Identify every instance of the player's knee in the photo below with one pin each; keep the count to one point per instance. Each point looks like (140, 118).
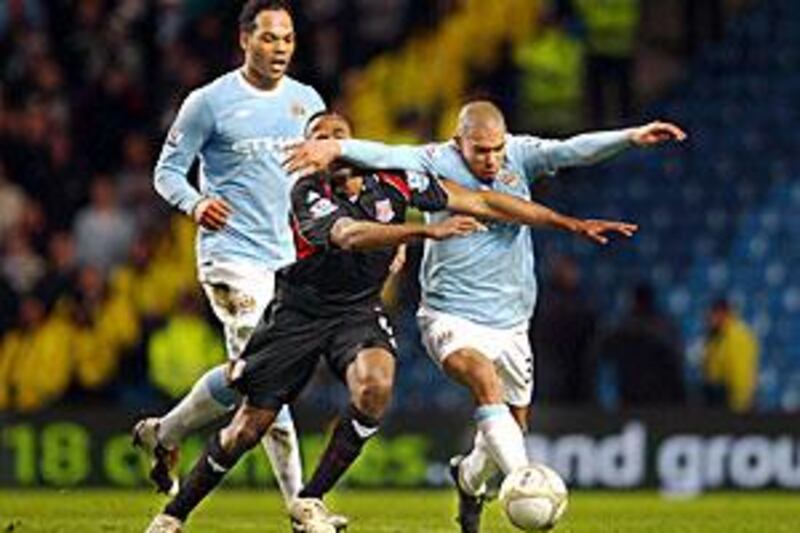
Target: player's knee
(245, 430)
(239, 437)
(374, 393)
(488, 389)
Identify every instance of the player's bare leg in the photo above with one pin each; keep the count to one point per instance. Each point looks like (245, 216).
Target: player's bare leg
(370, 378)
(209, 400)
(500, 429)
(220, 455)
(498, 441)
(521, 414)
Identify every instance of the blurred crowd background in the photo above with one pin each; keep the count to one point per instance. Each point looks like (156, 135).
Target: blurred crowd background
(98, 298)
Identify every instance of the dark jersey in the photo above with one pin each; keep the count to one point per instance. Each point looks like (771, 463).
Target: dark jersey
(326, 279)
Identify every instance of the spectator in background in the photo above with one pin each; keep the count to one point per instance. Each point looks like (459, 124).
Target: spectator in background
(135, 182)
(646, 354)
(35, 362)
(60, 276)
(67, 188)
(730, 360)
(8, 306)
(12, 203)
(21, 266)
(611, 27)
(20, 13)
(562, 334)
(185, 348)
(378, 25)
(551, 71)
(103, 231)
(27, 154)
(91, 291)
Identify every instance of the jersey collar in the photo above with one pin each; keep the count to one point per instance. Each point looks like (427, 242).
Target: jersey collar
(255, 91)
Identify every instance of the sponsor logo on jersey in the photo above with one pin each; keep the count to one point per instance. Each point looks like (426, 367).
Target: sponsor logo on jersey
(260, 145)
(383, 211)
(321, 208)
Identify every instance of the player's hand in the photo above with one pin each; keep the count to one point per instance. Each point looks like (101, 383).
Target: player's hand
(399, 260)
(308, 157)
(454, 226)
(212, 213)
(656, 133)
(597, 230)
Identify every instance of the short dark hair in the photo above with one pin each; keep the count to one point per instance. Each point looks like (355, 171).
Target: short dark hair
(325, 113)
(251, 9)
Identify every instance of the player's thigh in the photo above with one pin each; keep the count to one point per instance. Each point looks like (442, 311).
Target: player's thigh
(473, 369)
(364, 341)
(281, 357)
(464, 350)
(238, 295)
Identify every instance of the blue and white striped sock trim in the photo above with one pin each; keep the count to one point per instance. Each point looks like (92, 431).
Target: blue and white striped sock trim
(218, 387)
(485, 412)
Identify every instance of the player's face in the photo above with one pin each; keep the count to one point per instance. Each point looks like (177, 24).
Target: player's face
(329, 127)
(484, 150)
(269, 47)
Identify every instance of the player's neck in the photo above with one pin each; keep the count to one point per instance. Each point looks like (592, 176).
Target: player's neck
(259, 82)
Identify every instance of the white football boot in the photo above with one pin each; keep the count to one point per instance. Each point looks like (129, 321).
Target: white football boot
(165, 523)
(163, 460)
(309, 515)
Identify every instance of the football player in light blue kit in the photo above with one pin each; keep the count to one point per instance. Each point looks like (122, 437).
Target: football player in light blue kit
(236, 125)
(478, 292)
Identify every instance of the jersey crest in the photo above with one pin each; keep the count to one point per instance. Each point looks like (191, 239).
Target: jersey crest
(508, 178)
(298, 109)
(383, 211)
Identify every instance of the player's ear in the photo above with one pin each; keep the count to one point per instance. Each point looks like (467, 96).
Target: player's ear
(244, 39)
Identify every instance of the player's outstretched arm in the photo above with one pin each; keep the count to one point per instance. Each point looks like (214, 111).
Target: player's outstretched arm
(350, 234)
(591, 148)
(308, 157)
(499, 206)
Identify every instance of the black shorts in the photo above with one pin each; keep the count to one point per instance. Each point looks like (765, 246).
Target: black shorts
(287, 344)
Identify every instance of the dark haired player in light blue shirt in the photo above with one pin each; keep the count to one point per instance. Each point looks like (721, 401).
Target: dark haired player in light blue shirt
(236, 126)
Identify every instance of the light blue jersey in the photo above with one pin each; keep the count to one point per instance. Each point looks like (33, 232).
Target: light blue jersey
(486, 277)
(238, 132)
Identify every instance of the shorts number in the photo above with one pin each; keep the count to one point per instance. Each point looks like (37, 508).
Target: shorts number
(383, 322)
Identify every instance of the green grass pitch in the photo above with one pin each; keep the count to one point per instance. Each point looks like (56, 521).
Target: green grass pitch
(405, 511)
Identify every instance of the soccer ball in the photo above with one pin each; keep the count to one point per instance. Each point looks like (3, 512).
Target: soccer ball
(534, 497)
